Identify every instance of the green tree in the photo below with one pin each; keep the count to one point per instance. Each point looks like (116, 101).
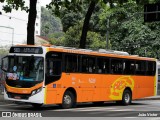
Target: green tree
(57, 38)
(16, 4)
(49, 23)
(128, 32)
(76, 5)
(71, 38)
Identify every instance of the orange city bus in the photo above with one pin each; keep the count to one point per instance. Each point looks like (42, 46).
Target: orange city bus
(44, 75)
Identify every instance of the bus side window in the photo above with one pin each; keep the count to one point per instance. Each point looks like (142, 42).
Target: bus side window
(140, 67)
(151, 67)
(88, 64)
(100, 65)
(129, 67)
(71, 63)
(117, 66)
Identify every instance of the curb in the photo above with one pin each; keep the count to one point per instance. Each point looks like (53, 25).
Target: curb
(150, 98)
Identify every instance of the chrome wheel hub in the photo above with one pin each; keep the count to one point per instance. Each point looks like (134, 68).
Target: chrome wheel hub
(67, 99)
(127, 97)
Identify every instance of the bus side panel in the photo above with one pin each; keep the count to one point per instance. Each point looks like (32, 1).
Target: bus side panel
(144, 86)
(114, 86)
(50, 95)
(95, 87)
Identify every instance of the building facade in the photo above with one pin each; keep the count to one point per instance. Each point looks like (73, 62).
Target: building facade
(13, 26)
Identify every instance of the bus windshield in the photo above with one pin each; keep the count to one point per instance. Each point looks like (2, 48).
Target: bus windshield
(25, 68)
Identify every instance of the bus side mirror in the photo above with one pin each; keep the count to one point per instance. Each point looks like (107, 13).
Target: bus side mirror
(4, 65)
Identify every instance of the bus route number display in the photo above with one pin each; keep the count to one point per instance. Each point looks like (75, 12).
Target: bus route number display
(27, 50)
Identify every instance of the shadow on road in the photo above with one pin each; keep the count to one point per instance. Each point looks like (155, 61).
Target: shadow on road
(28, 107)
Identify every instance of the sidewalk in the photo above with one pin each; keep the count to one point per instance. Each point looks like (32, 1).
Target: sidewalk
(151, 98)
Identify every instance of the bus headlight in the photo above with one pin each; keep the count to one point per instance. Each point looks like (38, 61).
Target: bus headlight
(36, 91)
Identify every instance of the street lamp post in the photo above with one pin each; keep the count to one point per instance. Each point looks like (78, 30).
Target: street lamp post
(12, 32)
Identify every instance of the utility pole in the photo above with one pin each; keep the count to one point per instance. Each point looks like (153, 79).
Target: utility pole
(107, 35)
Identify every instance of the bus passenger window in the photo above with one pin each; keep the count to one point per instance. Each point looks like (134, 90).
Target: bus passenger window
(140, 67)
(129, 67)
(71, 63)
(151, 66)
(117, 66)
(88, 64)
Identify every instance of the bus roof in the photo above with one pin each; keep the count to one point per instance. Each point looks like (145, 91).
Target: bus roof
(100, 52)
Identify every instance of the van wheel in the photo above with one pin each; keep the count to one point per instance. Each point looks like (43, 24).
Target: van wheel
(68, 100)
(127, 97)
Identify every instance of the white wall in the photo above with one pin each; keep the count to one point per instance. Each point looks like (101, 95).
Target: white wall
(16, 21)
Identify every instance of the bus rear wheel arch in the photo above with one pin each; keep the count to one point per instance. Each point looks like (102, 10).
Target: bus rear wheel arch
(69, 99)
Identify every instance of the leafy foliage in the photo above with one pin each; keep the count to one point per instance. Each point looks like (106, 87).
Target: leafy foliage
(128, 32)
(72, 36)
(14, 4)
(49, 23)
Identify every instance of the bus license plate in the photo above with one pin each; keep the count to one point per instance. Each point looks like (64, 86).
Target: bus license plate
(17, 97)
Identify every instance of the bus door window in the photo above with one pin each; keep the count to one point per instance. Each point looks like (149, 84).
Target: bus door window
(54, 67)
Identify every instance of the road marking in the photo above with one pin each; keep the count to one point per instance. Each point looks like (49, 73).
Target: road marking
(123, 110)
(131, 117)
(97, 109)
(86, 109)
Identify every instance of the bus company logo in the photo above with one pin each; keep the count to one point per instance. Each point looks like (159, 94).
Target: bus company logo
(119, 85)
(6, 114)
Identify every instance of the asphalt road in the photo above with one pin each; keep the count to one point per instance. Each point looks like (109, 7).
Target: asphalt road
(138, 109)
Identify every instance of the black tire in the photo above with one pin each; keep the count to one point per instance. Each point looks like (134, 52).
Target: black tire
(69, 100)
(36, 105)
(127, 97)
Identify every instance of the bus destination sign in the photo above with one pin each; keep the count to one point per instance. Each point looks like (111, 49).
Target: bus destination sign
(26, 50)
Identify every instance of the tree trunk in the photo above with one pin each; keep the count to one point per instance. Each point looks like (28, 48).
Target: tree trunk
(86, 24)
(31, 22)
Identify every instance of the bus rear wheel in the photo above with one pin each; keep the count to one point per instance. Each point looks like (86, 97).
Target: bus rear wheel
(127, 97)
(68, 100)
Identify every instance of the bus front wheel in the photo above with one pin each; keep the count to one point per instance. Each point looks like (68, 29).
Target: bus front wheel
(68, 100)
(127, 97)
